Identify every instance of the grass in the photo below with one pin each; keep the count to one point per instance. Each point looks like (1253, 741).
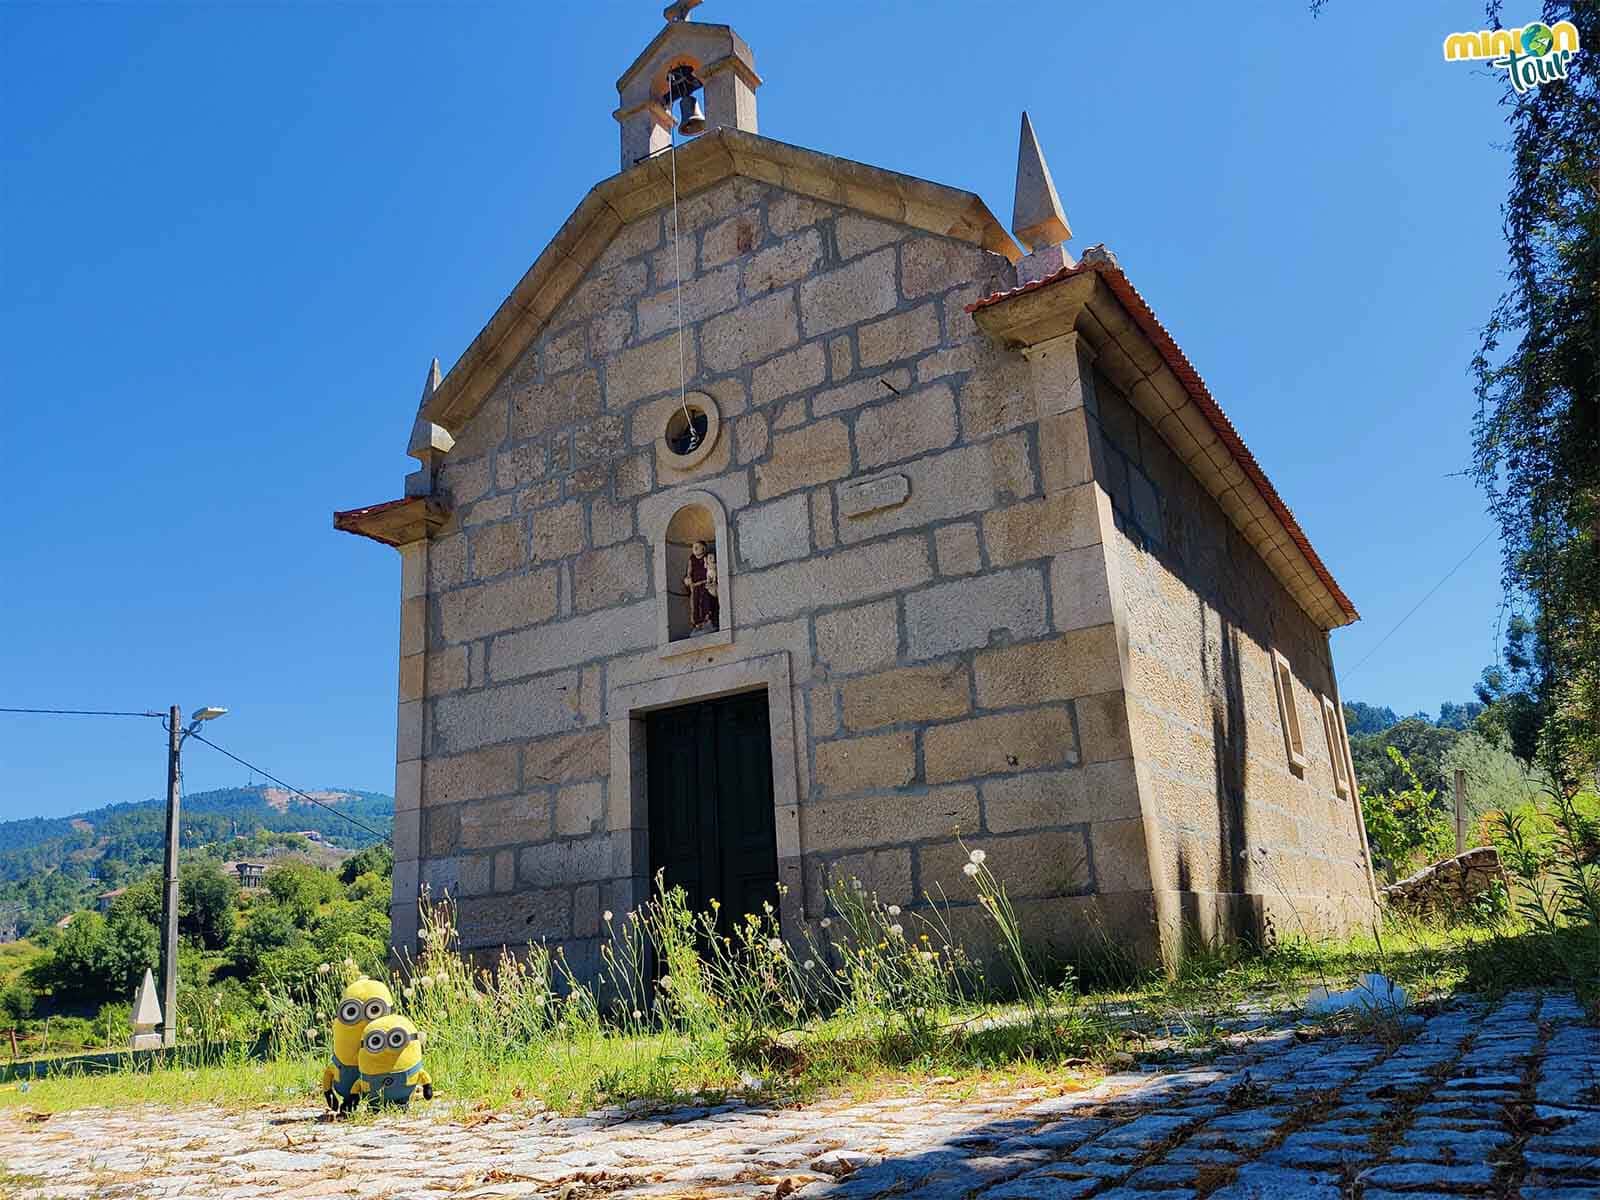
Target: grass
(15, 956)
(687, 1011)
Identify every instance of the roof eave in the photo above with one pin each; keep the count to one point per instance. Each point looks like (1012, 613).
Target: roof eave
(1096, 298)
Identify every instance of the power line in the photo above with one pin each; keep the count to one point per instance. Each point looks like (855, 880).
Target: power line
(80, 712)
(1418, 605)
(383, 837)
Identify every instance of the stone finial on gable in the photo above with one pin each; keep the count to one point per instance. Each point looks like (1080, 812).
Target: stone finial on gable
(1037, 218)
(430, 384)
(429, 442)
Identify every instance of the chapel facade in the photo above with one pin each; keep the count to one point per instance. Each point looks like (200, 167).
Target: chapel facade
(789, 523)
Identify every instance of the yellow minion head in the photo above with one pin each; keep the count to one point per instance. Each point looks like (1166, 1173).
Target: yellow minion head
(390, 1046)
(364, 1001)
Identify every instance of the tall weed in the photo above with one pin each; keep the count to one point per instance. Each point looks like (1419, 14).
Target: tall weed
(1551, 854)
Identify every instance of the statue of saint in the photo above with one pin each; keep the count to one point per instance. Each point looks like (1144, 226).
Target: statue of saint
(701, 581)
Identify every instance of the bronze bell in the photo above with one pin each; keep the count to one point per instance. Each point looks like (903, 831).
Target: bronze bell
(683, 87)
(691, 118)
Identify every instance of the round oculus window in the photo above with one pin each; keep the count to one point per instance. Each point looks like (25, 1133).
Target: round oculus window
(690, 431)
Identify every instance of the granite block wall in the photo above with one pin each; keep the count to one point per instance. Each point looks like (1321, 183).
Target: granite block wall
(925, 556)
(1242, 835)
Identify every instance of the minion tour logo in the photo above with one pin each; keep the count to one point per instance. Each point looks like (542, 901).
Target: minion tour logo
(1532, 55)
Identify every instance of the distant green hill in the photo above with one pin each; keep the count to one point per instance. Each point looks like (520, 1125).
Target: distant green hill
(50, 866)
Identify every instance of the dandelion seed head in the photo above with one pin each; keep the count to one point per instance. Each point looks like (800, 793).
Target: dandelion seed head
(324, 968)
(775, 945)
(969, 869)
(827, 921)
(977, 856)
(607, 916)
(810, 964)
(894, 910)
(896, 930)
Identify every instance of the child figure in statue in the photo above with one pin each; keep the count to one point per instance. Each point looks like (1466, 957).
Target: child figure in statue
(702, 584)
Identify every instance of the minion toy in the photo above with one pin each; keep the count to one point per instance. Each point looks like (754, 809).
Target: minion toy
(364, 1000)
(391, 1063)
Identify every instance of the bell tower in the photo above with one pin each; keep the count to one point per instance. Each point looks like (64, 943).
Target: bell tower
(686, 60)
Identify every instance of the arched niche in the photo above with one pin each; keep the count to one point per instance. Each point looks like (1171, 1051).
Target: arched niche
(679, 523)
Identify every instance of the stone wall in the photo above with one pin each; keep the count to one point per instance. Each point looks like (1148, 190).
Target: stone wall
(925, 555)
(891, 535)
(1239, 834)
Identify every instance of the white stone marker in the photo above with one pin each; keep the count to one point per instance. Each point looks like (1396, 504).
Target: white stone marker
(146, 1015)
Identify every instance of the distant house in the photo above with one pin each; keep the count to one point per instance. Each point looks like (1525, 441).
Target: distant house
(65, 921)
(105, 900)
(250, 873)
(310, 835)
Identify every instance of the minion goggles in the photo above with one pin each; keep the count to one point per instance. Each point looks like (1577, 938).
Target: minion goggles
(352, 1011)
(395, 1039)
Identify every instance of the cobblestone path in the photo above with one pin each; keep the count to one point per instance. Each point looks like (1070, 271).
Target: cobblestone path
(1478, 1100)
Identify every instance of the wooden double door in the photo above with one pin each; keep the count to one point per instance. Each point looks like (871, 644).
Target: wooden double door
(712, 828)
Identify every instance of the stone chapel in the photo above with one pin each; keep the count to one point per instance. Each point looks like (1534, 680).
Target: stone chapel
(789, 520)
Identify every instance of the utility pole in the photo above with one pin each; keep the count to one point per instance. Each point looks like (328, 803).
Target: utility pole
(1461, 812)
(169, 901)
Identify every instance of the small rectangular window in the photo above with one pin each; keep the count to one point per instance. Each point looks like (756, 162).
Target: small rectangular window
(1333, 728)
(1293, 741)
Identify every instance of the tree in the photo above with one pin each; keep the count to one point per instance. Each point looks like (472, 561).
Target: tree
(75, 967)
(1459, 716)
(354, 930)
(133, 946)
(16, 1002)
(301, 889)
(1497, 781)
(97, 956)
(1536, 436)
(1362, 718)
(1423, 745)
(142, 899)
(207, 900)
(376, 860)
(267, 928)
(1515, 695)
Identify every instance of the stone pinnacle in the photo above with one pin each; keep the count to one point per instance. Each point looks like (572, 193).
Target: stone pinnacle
(431, 384)
(1036, 218)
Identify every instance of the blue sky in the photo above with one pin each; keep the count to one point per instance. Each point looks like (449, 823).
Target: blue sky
(232, 236)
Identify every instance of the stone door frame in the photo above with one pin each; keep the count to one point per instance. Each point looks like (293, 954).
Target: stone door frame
(629, 796)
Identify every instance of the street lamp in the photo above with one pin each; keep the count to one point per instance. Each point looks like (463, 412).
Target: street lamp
(176, 735)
